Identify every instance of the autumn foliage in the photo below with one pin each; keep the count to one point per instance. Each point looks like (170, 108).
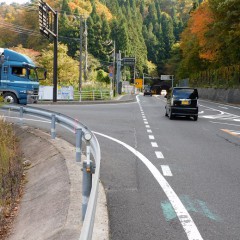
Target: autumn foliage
(200, 25)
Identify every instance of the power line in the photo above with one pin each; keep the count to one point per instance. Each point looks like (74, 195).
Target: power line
(21, 30)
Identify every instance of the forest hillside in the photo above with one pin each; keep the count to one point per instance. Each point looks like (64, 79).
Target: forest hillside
(187, 38)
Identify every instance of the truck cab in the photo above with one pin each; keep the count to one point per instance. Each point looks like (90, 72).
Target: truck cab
(19, 81)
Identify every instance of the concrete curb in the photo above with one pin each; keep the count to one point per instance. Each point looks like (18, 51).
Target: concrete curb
(51, 204)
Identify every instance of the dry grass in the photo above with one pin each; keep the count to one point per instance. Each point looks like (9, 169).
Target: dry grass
(11, 172)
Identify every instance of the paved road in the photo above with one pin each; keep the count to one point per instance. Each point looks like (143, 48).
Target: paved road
(167, 179)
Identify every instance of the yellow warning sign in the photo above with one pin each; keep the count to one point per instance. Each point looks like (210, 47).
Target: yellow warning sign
(138, 82)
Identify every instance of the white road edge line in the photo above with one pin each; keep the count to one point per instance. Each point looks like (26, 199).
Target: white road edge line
(225, 123)
(184, 217)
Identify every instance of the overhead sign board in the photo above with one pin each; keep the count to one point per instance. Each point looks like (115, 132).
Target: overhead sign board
(129, 61)
(167, 77)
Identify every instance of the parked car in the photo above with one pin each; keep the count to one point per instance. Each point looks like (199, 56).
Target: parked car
(147, 91)
(182, 101)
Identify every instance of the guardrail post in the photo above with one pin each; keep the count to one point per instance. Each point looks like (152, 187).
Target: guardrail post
(78, 144)
(93, 96)
(53, 126)
(88, 170)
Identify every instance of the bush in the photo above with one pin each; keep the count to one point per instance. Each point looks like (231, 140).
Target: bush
(11, 171)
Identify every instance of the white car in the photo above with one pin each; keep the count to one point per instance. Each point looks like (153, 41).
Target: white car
(163, 92)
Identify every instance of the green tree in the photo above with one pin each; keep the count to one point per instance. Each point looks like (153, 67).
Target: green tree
(67, 67)
(168, 35)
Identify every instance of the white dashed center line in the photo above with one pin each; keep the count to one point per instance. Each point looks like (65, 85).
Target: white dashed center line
(159, 154)
(166, 171)
(154, 144)
(151, 137)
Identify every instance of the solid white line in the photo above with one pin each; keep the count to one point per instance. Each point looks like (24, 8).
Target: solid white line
(149, 130)
(220, 104)
(154, 144)
(184, 217)
(27, 119)
(225, 123)
(166, 171)
(223, 107)
(159, 154)
(151, 137)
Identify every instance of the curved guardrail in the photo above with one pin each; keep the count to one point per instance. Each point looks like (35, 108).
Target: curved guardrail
(91, 200)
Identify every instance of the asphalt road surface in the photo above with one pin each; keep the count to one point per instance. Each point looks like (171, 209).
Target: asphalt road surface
(166, 179)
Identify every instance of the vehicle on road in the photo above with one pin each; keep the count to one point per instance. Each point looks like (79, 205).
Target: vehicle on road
(182, 101)
(164, 92)
(19, 82)
(147, 91)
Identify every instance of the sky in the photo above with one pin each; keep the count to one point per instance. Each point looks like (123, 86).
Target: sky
(11, 1)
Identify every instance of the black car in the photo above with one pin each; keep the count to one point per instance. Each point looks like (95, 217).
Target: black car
(147, 91)
(182, 101)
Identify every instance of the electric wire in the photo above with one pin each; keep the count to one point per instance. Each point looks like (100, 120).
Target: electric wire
(21, 30)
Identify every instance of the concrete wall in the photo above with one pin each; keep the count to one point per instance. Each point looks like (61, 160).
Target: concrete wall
(220, 95)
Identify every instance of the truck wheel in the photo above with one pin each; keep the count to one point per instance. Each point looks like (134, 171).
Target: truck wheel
(10, 98)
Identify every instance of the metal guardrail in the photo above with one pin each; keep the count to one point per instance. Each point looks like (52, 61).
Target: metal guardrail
(90, 185)
(93, 95)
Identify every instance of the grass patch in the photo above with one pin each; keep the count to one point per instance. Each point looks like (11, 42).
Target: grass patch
(11, 172)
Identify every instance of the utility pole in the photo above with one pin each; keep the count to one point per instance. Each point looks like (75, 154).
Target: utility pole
(80, 57)
(55, 62)
(114, 60)
(118, 71)
(134, 74)
(143, 82)
(86, 51)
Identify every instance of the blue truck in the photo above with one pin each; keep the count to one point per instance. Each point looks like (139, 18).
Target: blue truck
(19, 82)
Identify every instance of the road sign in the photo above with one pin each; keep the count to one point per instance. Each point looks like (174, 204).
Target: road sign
(129, 61)
(47, 20)
(138, 83)
(110, 69)
(166, 77)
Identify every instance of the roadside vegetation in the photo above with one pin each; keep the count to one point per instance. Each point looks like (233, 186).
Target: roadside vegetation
(11, 172)
(190, 39)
